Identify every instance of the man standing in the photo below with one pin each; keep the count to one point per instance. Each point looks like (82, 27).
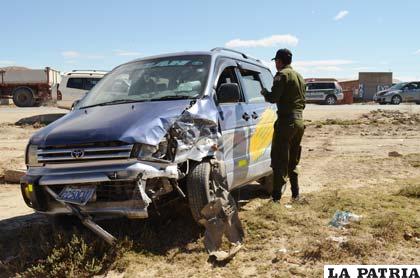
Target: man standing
(288, 92)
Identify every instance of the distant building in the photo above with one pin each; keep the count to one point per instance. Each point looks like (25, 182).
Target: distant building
(372, 82)
(350, 87)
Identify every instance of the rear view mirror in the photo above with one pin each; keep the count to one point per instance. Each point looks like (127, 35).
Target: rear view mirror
(228, 93)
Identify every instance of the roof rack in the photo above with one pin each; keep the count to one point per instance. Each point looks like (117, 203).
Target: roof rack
(234, 51)
(89, 70)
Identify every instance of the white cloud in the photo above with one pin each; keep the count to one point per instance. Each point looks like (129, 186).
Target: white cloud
(94, 57)
(406, 78)
(341, 15)
(273, 40)
(417, 52)
(323, 63)
(314, 66)
(6, 62)
(120, 52)
(70, 54)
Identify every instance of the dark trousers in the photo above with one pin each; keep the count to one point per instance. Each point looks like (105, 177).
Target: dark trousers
(285, 154)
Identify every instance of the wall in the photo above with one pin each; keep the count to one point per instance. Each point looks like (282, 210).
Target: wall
(370, 81)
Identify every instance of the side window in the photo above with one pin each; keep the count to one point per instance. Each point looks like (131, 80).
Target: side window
(227, 76)
(267, 79)
(252, 85)
(90, 82)
(75, 83)
(412, 86)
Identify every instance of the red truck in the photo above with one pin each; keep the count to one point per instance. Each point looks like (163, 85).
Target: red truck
(28, 87)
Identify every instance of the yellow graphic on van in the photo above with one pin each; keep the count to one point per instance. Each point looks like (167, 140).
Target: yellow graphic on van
(242, 163)
(263, 134)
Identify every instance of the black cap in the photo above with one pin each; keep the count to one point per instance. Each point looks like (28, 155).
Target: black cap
(283, 54)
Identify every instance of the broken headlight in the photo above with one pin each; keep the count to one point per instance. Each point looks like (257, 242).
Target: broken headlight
(31, 157)
(146, 152)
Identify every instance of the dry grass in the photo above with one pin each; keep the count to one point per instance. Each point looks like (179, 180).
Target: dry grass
(280, 242)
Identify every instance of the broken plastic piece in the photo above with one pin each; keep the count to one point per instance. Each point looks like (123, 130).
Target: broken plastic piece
(220, 217)
(343, 218)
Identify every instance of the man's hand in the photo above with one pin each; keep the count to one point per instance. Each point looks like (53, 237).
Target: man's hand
(264, 92)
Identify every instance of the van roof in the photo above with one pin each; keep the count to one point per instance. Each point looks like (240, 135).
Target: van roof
(215, 52)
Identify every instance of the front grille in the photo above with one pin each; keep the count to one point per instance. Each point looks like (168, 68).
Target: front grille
(84, 153)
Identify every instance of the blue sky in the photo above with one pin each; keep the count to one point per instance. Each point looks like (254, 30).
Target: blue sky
(328, 38)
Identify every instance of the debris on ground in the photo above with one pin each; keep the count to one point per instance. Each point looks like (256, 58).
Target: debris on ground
(13, 176)
(338, 239)
(220, 217)
(394, 154)
(343, 218)
(39, 120)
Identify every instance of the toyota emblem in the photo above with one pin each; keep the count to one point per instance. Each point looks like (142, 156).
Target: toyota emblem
(76, 154)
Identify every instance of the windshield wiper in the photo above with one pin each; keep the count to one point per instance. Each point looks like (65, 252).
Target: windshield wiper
(176, 96)
(117, 101)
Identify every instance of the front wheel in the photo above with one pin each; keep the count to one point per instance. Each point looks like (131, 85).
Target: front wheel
(396, 100)
(200, 192)
(330, 100)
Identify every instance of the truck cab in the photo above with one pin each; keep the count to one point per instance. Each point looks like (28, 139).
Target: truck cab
(152, 130)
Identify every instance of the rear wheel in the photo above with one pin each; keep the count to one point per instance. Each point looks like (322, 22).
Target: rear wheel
(396, 100)
(331, 100)
(199, 189)
(23, 97)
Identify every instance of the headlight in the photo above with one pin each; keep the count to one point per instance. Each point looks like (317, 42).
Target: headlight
(149, 152)
(31, 158)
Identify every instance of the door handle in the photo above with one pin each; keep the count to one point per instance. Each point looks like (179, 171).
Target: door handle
(254, 115)
(246, 116)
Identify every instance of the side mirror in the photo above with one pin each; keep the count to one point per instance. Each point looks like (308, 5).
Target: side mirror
(228, 93)
(75, 104)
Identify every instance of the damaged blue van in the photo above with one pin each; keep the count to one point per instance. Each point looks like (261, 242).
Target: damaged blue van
(153, 130)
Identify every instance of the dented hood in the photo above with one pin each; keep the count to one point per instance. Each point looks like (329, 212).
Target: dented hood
(144, 122)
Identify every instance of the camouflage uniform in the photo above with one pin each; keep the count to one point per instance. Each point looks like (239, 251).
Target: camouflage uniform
(288, 92)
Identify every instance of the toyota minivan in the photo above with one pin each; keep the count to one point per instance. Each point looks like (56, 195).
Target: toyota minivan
(153, 130)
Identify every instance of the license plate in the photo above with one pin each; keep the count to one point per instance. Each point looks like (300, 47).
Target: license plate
(76, 195)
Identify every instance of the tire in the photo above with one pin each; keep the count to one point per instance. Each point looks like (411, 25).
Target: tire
(23, 97)
(198, 187)
(396, 100)
(330, 100)
(267, 184)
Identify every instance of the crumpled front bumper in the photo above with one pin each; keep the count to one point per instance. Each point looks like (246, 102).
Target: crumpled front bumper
(383, 98)
(129, 176)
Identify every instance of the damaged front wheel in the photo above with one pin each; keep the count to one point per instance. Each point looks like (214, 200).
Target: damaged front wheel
(198, 186)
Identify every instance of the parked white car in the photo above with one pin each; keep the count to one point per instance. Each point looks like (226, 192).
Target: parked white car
(74, 85)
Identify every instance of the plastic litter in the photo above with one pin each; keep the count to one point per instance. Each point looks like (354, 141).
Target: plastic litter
(343, 218)
(339, 239)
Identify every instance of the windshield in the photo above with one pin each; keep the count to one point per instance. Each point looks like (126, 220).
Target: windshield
(155, 79)
(398, 86)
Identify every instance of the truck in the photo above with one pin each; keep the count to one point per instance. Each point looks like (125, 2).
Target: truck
(28, 87)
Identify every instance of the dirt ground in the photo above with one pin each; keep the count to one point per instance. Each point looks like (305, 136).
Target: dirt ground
(355, 157)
